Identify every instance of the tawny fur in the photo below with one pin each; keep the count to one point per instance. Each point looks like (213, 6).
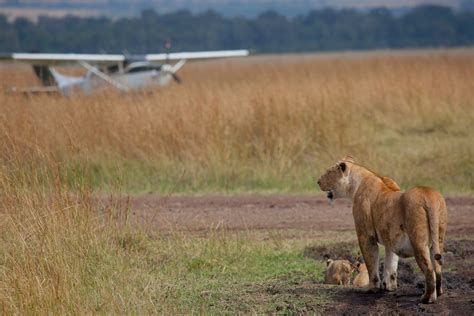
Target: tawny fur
(338, 272)
(410, 223)
(362, 277)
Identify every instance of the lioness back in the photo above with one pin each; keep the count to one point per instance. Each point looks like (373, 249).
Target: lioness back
(390, 183)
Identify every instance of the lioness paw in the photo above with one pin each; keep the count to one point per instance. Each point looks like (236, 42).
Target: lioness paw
(428, 299)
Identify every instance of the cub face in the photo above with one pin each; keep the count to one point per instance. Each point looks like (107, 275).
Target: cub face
(362, 277)
(361, 267)
(338, 272)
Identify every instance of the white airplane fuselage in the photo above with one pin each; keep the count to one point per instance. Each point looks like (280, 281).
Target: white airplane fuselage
(90, 83)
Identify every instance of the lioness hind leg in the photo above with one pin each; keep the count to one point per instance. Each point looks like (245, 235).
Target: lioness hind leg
(418, 232)
(390, 271)
(423, 258)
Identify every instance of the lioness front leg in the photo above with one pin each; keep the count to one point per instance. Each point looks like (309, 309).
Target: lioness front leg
(370, 252)
(390, 271)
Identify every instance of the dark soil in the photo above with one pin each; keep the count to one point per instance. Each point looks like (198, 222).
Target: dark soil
(340, 250)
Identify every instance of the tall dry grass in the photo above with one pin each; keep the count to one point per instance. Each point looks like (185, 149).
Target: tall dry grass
(262, 124)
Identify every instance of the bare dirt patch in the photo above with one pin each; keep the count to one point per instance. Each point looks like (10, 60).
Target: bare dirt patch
(255, 212)
(242, 213)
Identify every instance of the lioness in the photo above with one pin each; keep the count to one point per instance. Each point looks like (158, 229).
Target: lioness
(338, 272)
(410, 223)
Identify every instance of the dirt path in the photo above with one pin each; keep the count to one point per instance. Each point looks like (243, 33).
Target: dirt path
(313, 213)
(268, 212)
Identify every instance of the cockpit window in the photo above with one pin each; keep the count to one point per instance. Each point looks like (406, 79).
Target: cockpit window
(144, 68)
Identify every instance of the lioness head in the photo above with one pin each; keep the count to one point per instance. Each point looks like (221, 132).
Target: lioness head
(335, 180)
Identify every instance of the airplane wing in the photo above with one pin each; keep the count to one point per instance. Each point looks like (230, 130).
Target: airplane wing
(51, 59)
(197, 55)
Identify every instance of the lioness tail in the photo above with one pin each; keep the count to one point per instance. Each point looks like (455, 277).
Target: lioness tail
(433, 222)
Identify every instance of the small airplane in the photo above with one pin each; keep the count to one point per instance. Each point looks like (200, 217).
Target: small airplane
(120, 71)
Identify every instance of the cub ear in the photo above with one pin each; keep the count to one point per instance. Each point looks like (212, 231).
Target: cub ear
(342, 166)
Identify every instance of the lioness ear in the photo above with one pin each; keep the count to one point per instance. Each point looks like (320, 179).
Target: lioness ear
(342, 166)
(348, 158)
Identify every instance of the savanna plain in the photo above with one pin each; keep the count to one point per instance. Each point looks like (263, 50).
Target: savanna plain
(201, 197)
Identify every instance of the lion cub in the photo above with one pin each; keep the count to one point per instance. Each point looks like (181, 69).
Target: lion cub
(338, 272)
(362, 277)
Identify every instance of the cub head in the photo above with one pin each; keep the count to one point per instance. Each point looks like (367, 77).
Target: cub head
(361, 267)
(335, 180)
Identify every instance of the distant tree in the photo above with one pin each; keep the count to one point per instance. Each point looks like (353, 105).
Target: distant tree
(9, 39)
(318, 30)
(428, 26)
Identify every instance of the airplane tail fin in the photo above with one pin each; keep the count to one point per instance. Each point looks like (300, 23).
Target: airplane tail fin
(45, 74)
(51, 78)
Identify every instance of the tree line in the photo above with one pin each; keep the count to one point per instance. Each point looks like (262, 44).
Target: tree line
(318, 30)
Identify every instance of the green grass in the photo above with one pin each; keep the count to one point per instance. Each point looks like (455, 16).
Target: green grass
(138, 177)
(223, 273)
